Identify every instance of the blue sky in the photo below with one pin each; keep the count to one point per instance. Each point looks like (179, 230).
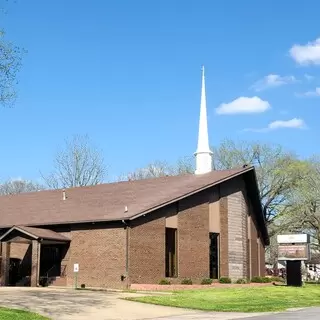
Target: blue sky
(127, 73)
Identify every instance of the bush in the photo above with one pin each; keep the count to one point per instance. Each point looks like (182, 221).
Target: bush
(241, 281)
(256, 279)
(164, 282)
(261, 280)
(225, 280)
(276, 279)
(186, 281)
(206, 281)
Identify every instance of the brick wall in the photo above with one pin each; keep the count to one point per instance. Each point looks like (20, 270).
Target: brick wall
(35, 261)
(262, 260)
(100, 253)
(5, 251)
(254, 248)
(147, 242)
(237, 227)
(224, 238)
(147, 248)
(193, 235)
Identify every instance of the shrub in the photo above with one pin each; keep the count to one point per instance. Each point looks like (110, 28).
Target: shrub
(206, 281)
(241, 281)
(276, 279)
(261, 280)
(266, 280)
(186, 281)
(256, 279)
(225, 280)
(164, 282)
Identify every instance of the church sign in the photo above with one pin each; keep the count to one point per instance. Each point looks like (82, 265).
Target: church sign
(293, 247)
(293, 252)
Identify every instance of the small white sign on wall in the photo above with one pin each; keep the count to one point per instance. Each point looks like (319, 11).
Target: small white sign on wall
(76, 267)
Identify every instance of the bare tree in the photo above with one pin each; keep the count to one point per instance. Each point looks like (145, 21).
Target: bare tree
(278, 171)
(79, 163)
(279, 176)
(160, 169)
(152, 170)
(19, 186)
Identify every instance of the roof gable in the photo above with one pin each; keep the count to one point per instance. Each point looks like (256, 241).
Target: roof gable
(35, 233)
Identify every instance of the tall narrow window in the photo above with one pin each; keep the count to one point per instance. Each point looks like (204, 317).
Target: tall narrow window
(214, 255)
(171, 253)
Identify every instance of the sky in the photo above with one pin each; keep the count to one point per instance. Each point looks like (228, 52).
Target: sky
(128, 74)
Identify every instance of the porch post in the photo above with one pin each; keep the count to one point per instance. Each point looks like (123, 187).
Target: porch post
(35, 263)
(5, 263)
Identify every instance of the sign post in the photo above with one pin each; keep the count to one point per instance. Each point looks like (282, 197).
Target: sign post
(76, 270)
(293, 248)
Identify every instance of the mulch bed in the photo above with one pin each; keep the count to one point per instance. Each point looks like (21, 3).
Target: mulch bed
(174, 287)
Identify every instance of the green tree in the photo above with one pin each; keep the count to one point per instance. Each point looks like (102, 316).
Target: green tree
(305, 211)
(10, 64)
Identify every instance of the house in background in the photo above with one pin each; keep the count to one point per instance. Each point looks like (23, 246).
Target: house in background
(207, 224)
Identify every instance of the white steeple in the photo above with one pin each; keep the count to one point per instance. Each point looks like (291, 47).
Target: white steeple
(203, 153)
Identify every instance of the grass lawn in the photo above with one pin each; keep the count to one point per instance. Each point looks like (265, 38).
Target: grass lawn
(254, 299)
(14, 314)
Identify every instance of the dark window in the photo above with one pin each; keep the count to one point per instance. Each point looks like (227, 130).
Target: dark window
(171, 253)
(214, 255)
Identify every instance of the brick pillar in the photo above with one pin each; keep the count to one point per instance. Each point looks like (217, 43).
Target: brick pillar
(5, 263)
(224, 238)
(35, 263)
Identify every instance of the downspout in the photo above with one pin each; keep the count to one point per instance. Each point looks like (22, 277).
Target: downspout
(126, 276)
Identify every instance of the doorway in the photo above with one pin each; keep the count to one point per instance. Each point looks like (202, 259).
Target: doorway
(14, 271)
(50, 260)
(214, 255)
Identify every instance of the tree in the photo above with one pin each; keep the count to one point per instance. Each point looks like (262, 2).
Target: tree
(10, 64)
(305, 213)
(78, 164)
(160, 169)
(278, 172)
(19, 186)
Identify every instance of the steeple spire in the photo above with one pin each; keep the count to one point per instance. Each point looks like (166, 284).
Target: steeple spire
(203, 153)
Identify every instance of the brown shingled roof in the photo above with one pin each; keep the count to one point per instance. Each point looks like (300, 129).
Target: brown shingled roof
(37, 233)
(105, 202)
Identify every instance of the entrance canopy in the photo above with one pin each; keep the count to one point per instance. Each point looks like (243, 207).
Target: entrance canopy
(27, 234)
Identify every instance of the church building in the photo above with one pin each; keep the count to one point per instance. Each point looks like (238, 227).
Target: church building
(208, 224)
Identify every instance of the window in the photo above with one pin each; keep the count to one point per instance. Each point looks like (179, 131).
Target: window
(171, 253)
(214, 255)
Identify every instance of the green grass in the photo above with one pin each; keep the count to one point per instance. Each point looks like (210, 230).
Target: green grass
(14, 314)
(254, 299)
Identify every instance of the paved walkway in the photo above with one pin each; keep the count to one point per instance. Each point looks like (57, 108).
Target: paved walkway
(68, 304)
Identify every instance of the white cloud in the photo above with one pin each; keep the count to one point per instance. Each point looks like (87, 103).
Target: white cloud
(308, 77)
(306, 54)
(272, 81)
(294, 123)
(244, 105)
(313, 93)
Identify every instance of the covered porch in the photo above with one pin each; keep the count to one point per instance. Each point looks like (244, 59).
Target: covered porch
(45, 251)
